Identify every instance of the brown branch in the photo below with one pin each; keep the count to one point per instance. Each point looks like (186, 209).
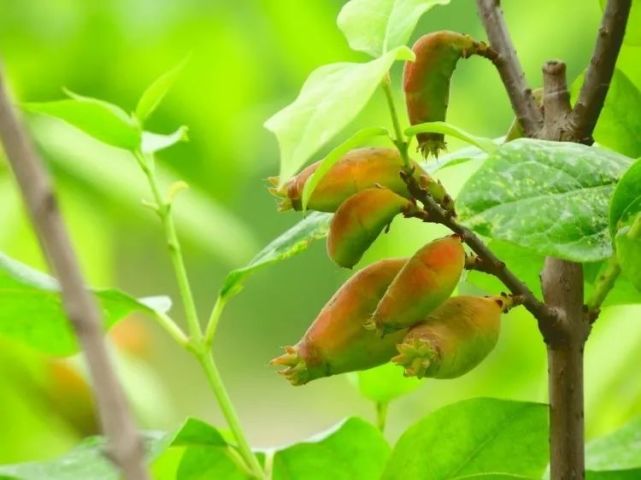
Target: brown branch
(599, 73)
(556, 100)
(510, 70)
(434, 213)
(125, 447)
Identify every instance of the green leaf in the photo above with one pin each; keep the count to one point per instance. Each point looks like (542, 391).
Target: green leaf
(155, 92)
(377, 26)
(621, 450)
(614, 475)
(628, 249)
(86, 461)
(626, 199)
(549, 197)
(478, 436)
(485, 144)
(355, 450)
(32, 310)
(329, 100)
(619, 123)
(204, 463)
(102, 120)
(154, 142)
(384, 383)
(332, 157)
(295, 240)
(197, 432)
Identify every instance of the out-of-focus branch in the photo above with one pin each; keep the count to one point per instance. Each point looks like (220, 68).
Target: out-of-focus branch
(125, 446)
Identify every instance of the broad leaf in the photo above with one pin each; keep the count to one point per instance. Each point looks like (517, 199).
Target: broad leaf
(626, 200)
(384, 383)
(155, 92)
(197, 432)
(355, 450)
(103, 121)
(32, 309)
(291, 242)
(377, 26)
(154, 142)
(614, 475)
(619, 123)
(549, 197)
(203, 463)
(485, 144)
(329, 100)
(621, 450)
(332, 157)
(474, 437)
(628, 249)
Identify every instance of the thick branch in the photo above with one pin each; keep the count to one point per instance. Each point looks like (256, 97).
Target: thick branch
(597, 78)
(556, 100)
(125, 447)
(545, 316)
(509, 67)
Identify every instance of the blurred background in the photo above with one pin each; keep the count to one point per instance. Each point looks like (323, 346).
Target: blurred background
(248, 60)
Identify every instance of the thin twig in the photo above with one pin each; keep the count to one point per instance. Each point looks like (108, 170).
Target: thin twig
(509, 67)
(599, 74)
(124, 444)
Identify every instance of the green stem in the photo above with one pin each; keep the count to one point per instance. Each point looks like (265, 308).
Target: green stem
(381, 415)
(214, 317)
(215, 382)
(605, 281)
(400, 142)
(172, 329)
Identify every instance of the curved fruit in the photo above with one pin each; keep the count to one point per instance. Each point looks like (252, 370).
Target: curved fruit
(355, 171)
(424, 282)
(336, 342)
(426, 81)
(454, 338)
(359, 220)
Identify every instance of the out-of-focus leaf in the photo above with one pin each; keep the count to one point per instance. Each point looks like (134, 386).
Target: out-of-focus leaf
(332, 157)
(474, 437)
(154, 142)
(628, 250)
(384, 383)
(549, 197)
(155, 92)
(626, 199)
(102, 120)
(621, 450)
(377, 26)
(32, 310)
(329, 100)
(291, 242)
(114, 175)
(619, 123)
(355, 450)
(485, 144)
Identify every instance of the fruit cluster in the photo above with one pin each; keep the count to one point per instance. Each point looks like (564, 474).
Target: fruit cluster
(395, 309)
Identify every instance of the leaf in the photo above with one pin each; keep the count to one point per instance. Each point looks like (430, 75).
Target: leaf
(485, 144)
(619, 123)
(295, 240)
(473, 437)
(626, 199)
(32, 310)
(154, 142)
(155, 92)
(384, 383)
(354, 450)
(377, 26)
(197, 432)
(549, 197)
(628, 249)
(332, 157)
(621, 450)
(102, 120)
(329, 100)
(86, 461)
(614, 475)
(204, 463)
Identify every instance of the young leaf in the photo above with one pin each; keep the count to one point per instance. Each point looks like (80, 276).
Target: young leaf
(295, 240)
(194, 431)
(385, 383)
(354, 450)
(626, 199)
(154, 142)
(199, 463)
(32, 310)
(332, 157)
(500, 437)
(102, 120)
(485, 144)
(377, 26)
(549, 197)
(155, 92)
(617, 451)
(329, 100)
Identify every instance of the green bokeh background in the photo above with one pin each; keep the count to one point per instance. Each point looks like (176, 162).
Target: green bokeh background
(249, 59)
